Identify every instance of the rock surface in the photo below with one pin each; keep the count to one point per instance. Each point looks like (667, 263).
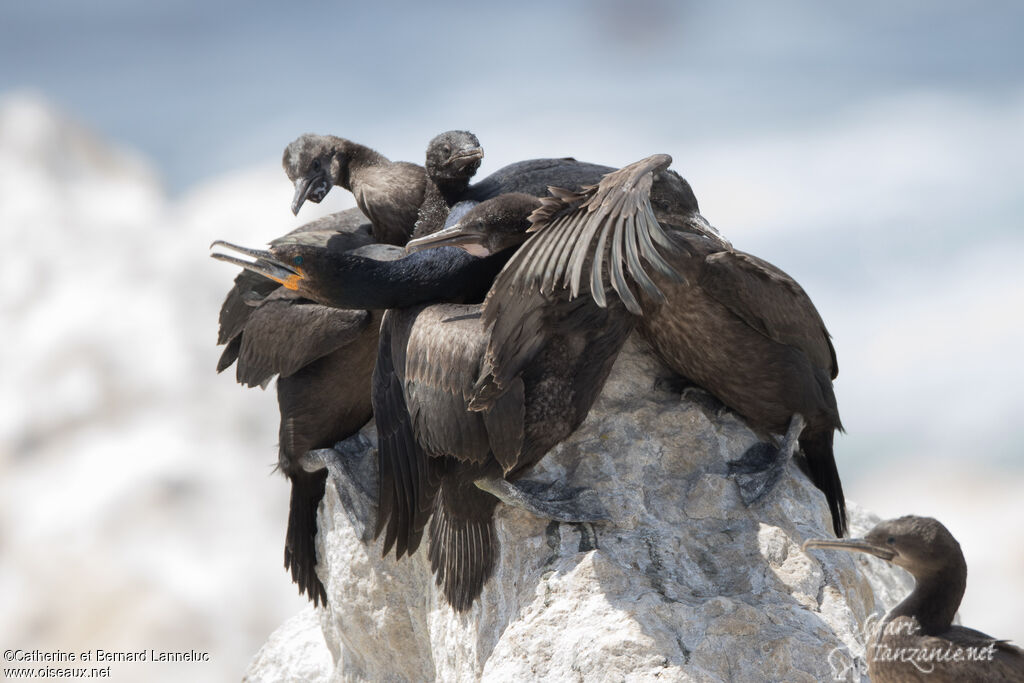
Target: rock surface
(685, 583)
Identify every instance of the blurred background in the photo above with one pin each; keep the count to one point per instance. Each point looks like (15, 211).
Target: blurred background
(874, 150)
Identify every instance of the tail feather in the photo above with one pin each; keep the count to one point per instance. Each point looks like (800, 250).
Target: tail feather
(300, 539)
(821, 465)
(463, 542)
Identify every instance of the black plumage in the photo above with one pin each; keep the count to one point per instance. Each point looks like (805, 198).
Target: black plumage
(534, 176)
(728, 321)
(323, 355)
(434, 447)
(323, 358)
(917, 641)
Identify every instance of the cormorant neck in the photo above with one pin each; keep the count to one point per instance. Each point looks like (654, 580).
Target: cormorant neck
(355, 160)
(450, 189)
(439, 196)
(935, 598)
(445, 274)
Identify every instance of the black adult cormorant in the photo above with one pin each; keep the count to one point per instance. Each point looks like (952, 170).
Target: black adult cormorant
(323, 357)
(917, 642)
(732, 323)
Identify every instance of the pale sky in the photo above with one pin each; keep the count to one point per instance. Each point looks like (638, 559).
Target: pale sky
(873, 150)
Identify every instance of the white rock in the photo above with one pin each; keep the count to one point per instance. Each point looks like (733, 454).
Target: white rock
(296, 652)
(686, 583)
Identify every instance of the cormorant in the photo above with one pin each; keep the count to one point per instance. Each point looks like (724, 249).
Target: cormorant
(323, 357)
(452, 160)
(733, 323)
(457, 413)
(468, 398)
(388, 192)
(917, 641)
(391, 193)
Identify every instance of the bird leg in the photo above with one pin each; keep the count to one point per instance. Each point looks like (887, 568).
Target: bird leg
(552, 501)
(760, 468)
(354, 474)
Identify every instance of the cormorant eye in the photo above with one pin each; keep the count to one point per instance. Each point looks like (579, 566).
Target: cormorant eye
(297, 260)
(891, 540)
(316, 164)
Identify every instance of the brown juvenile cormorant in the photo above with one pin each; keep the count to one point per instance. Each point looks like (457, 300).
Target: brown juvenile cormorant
(388, 192)
(917, 641)
(452, 160)
(392, 193)
(732, 323)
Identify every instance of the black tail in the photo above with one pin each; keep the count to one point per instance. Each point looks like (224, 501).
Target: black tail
(463, 543)
(821, 465)
(300, 539)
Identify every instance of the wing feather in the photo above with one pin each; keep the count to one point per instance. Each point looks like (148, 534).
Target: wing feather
(286, 333)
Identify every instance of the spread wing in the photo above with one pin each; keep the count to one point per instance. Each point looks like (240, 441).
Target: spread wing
(781, 311)
(286, 332)
(516, 319)
(617, 214)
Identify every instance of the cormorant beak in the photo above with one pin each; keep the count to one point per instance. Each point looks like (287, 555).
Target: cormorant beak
(850, 544)
(313, 187)
(265, 264)
(455, 236)
(461, 158)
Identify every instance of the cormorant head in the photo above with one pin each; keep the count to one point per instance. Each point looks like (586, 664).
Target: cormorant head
(453, 156)
(921, 545)
(487, 228)
(296, 265)
(314, 163)
(671, 193)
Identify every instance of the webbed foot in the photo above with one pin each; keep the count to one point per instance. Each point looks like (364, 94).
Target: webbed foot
(759, 469)
(554, 501)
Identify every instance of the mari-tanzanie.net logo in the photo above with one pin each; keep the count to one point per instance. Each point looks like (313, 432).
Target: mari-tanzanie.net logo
(893, 642)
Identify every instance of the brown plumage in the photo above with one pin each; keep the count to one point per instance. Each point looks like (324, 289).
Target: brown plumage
(728, 321)
(396, 194)
(388, 192)
(452, 160)
(916, 642)
(443, 421)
